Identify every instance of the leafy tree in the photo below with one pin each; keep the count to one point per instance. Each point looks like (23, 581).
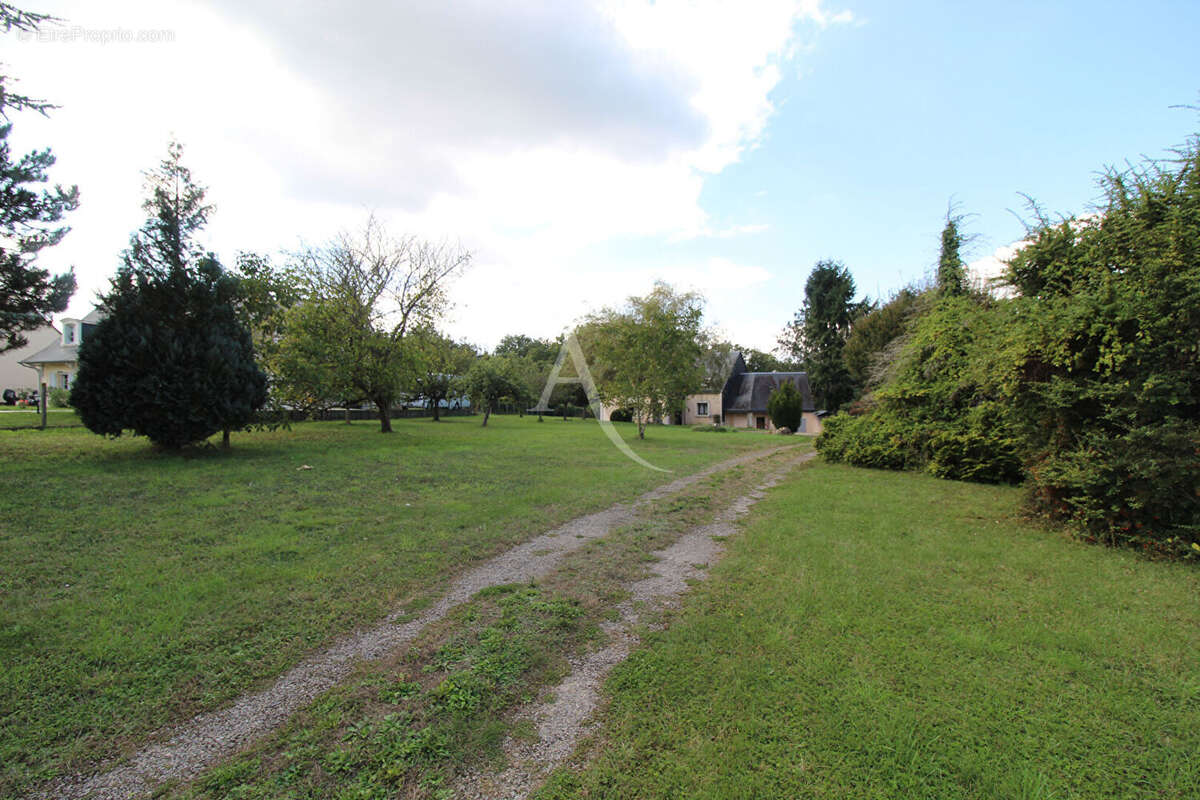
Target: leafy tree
(786, 407)
(817, 335)
(30, 216)
(647, 355)
(490, 380)
(759, 361)
(442, 363)
(170, 360)
(541, 351)
(265, 293)
(305, 360)
(715, 358)
(383, 288)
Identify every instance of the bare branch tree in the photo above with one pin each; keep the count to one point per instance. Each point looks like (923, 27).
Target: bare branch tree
(381, 288)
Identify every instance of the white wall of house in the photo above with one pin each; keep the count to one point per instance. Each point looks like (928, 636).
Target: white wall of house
(810, 422)
(15, 376)
(699, 409)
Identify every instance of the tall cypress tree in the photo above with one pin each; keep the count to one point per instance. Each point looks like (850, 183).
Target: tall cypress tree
(951, 273)
(170, 360)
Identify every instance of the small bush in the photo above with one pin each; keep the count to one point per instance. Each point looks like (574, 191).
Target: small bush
(60, 398)
(786, 407)
(713, 429)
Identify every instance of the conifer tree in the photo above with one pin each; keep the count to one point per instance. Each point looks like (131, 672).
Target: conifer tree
(951, 273)
(170, 360)
(29, 215)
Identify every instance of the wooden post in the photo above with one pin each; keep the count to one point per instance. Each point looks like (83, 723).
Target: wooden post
(44, 400)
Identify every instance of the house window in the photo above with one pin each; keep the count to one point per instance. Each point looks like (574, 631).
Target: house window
(760, 423)
(69, 333)
(702, 409)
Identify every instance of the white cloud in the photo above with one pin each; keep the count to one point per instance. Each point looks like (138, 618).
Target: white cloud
(531, 132)
(985, 272)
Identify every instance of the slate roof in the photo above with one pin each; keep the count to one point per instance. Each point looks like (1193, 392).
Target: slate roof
(54, 352)
(750, 391)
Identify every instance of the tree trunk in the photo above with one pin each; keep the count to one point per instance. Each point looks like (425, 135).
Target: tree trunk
(641, 429)
(487, 412)
(435, 409)
(347, 413)
(385, 416)
(225, 439)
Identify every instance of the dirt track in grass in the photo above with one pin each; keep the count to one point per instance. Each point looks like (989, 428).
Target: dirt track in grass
(563, 719)
(183, 752)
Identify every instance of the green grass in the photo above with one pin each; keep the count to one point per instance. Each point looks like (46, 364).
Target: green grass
(404, 726)
(142, 587)
(880, 634)
(55, 418)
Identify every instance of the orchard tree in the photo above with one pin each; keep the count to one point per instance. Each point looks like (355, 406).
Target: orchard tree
(647, 355)
(441, 364)
(30, 215)
(170, 359)
(304, 361)
(384, 288)
(817, 335)
(490, 380)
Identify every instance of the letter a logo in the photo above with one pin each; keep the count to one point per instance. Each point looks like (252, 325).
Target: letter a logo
(571, 346)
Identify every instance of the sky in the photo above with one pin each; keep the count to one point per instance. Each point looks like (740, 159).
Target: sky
(583, 150)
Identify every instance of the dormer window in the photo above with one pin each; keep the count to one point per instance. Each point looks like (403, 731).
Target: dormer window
(68, 333)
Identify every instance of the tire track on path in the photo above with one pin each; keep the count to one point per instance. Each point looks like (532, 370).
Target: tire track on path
(564, 719)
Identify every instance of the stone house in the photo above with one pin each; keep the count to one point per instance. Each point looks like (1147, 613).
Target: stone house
(742, 402)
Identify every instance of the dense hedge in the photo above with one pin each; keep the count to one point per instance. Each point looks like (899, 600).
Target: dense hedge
(1086, 384)
(944, 410)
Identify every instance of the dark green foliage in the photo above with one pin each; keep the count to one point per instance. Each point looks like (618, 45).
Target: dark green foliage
(1088, 383)
(540, 351)
(817, 335)
(945, 409)
(868, 441)
(170, 360)
(621, 415)
(867, 347)
(489, 380)
(758, 361)
(786, 406)
(951, 272)
(1110, 382)
(29, 219)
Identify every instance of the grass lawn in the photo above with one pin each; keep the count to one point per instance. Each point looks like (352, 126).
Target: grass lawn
(55, 418)
(139, 587)
(878, 635)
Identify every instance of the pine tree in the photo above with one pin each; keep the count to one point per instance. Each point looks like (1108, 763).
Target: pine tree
(29, 216)
(170, 360)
